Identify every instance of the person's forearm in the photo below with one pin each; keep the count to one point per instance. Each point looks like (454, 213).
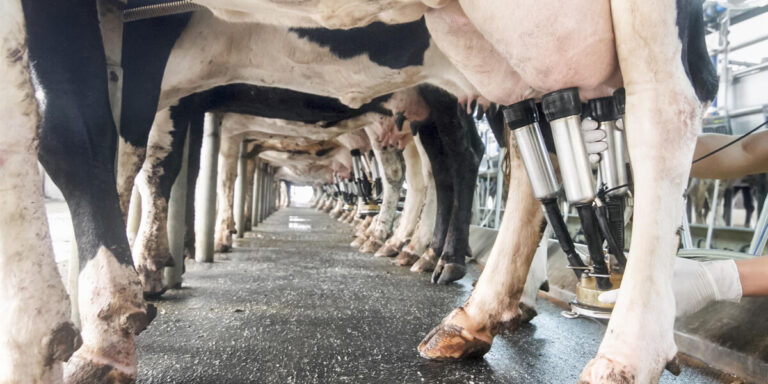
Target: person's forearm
(749, 156)
(753, 274)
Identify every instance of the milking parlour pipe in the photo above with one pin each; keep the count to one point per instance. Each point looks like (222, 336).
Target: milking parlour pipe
(363, 185)
(562, 110)
(523, 119)
(371, 167)
(612, 168)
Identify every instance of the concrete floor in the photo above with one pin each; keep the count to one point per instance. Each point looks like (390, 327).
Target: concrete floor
(295, 304)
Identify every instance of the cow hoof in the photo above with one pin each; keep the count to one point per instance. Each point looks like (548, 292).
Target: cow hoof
(356, 243)
(222, 248)
(371, 245)
(155, 294)
(63, 342)
(425, 263)
(602, 370)
(81, 370)
(137, 321)
(451, 341)
(405, 259)
(446, 273)
(527, 313)
(386, 251)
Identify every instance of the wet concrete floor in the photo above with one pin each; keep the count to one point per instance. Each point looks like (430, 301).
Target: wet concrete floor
(295, 304)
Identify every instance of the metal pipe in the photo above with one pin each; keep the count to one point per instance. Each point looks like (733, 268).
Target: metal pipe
(747, 111)
(206, 220)
(522, 118)
(736, 47)
(563, 109)
(715, 204)
(761, 232)
(159, 10)
(749, 71)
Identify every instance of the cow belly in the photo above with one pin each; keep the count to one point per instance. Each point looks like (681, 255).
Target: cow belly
(550, 44)
(475, 57)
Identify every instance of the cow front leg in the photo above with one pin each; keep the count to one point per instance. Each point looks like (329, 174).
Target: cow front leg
(391, 164)
(469, 330)
(151, 251)
(443, 181)
(414, 200)
(465, 149)
(225, 194)
(78, 140)
(36, 334)
(423, 231)
(662, 118)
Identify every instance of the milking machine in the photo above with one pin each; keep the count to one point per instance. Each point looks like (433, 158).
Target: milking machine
(370, 201)
(600, 210)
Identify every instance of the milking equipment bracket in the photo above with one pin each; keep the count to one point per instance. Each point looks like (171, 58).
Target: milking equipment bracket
(601, 210)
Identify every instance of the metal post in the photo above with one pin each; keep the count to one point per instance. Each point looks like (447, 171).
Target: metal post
(498, 201)
(761, 232)
(255, 204)
(715, 204)
(240, 185)
(685, 236)
(177, 213)
(206, 189)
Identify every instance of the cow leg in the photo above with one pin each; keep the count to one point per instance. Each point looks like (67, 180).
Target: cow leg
(469, 330)
(425, 227)
(441, 172)
(414, 200)
(193, 169)
(250, 168)
(225, 193)
(391, 164)
(35, 332)
(749, 205)
(78, 140)
(463, 150)
(662, 120)
(151, 251)
(146, 47)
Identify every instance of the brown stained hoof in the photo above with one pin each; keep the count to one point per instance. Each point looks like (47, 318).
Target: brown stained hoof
(386, 251)
(602, 370)
(170, 262)
(452, 342)
(136, 322)
(155, 295)
(527, 313)
(425, 263)
(405, 259)
(222, 248)
(510, 326)
(371, 245)
(446, 273)
(63, 342)
(358, 241)
(81, 370)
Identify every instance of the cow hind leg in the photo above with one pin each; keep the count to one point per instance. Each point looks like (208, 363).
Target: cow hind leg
(662, 118)
(151, 251)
